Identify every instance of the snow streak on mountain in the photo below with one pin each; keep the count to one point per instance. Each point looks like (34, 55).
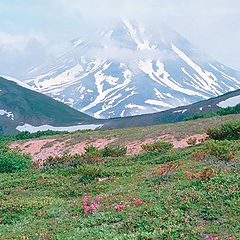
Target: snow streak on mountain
(130, 70)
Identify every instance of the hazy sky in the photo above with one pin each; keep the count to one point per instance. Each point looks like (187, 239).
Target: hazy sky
(30, 30)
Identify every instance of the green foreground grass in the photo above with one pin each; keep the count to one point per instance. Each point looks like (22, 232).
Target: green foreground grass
(156, 204)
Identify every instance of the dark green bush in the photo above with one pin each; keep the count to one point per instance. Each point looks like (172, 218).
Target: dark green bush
(222, 150)
(66, 160)
(210, 214)
(114, 151)
(158, 146)
(13, 161)
(216, 150)
(92, 154)
(27, 135)
(229, 131)
(89, 173)
(192, 141)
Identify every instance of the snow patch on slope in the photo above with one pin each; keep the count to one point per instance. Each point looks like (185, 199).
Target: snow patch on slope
(180, 111)
(230, 102)
(32, 129)
(8, 114)
(208, 81)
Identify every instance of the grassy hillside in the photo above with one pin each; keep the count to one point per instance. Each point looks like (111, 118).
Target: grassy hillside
(220, 112)
(124, 136)
(34, 108)
(190, 193)
(173, 115)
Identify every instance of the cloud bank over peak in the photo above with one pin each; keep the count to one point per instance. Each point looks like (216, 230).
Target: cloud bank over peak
(32, 32)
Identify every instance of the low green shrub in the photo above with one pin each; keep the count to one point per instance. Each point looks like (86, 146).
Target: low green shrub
(158, 146)
(222, 150)
(210, 214)
(229, 131)
(12, 161)
(27, 135)
(66, 160)
(217, 150)
(92, 154)
(192, 141)
(89, 173)
(114, 151)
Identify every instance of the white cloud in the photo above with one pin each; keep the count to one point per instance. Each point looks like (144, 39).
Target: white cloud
(44, 26)
(19, 52)
(18, 42)
(212, 25)
(110, 49)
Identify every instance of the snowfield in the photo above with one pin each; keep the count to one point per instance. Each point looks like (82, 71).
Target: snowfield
(32, 129)
(230, 102)
(6, 113)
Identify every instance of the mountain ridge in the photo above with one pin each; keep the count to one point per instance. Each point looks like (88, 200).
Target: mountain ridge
(178, 114)
(20, 106)
(22, 109)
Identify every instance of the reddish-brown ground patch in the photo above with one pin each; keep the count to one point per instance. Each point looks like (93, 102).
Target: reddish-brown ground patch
(99, 143)
(40, 149)
(135, 146)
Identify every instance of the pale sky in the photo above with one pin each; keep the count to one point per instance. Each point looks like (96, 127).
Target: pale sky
(32, 30)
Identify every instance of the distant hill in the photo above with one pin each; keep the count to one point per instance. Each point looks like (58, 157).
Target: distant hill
(19, 106)
(230, 99)
(24, 109)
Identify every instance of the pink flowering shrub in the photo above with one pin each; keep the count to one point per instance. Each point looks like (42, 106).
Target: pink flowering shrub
(213, 238)
(91, 205)
(119, 207)
(138, 201)
(108, 207)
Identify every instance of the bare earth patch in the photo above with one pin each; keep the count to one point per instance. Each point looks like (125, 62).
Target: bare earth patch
(135, 146)
(41, 149)
(32, 147)
(99, 143)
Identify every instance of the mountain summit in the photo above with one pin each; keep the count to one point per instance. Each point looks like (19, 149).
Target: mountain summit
(130, 70)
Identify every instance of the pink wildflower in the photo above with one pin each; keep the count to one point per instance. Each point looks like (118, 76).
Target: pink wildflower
(86, 198)
(108, 207)
(138, 200)
(86, 209)
(213, 238)
(90, 205)
(98, 199)
(119, 207)
(93, 206)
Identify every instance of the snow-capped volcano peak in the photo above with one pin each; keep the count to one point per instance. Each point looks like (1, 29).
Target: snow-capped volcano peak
(129, 70)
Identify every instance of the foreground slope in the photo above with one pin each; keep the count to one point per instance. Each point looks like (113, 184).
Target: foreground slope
(131, 69)
(19, 106)
(190, 193)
